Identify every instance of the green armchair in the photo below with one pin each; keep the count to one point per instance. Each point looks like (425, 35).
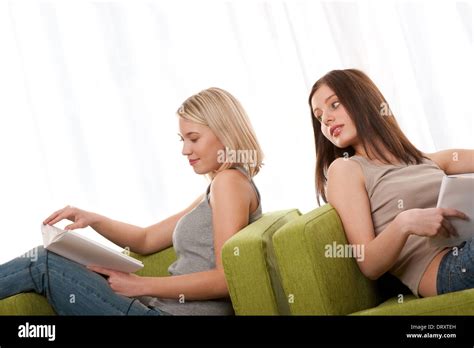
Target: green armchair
(249, 265)
(318, 285)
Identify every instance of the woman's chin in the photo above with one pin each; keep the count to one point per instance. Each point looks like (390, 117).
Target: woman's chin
(200, 171)
(203, 169)
(341, 143)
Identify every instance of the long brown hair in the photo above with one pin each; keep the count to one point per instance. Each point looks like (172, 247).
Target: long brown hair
(365, 105)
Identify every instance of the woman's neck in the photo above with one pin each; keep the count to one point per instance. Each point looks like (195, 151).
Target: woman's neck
(371, 155)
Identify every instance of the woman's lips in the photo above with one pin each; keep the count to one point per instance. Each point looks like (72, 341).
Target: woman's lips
(193, 162)
(337, 131)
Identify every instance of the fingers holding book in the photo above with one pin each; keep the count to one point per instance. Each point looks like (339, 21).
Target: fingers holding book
(127, 284)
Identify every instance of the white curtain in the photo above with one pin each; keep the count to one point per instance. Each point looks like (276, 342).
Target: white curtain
(89, 90)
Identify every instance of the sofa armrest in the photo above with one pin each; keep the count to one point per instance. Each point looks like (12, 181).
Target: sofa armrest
(250, 267)
(316, 283)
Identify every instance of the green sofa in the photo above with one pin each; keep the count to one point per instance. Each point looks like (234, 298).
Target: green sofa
(319, 285)
(249, 265)
(278, 266)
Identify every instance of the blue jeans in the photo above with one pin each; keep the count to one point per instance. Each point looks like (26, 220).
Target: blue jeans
(456, 270)
(70, 288)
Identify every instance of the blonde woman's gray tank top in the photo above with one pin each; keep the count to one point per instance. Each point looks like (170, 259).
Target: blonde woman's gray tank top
(193, 241)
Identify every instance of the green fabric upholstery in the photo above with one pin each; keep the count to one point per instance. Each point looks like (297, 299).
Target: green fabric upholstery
(156, 265)
(320, 285)
(250, 267)
(28, 303)
(313, 283)
(455, 303)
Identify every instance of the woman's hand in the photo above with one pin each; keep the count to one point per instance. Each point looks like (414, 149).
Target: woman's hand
(429, 222)
(81, 218)
(126, 284)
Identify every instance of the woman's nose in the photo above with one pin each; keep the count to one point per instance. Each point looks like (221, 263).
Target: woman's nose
(327, 118)
(186, 151)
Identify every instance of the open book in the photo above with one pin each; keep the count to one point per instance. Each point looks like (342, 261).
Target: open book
(457, 191)
(85, 251)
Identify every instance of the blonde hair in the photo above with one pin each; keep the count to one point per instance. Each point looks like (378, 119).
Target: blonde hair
(223, 114)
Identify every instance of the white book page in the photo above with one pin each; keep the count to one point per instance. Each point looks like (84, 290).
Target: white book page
(457, 191)
(85, 251)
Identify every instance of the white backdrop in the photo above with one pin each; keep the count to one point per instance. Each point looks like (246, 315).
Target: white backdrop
(89, 90)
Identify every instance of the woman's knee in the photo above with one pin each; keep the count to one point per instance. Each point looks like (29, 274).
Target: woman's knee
(38, 253)
(34, 255)
(40, 256)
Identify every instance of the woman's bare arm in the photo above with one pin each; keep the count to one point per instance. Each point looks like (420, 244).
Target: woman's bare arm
(346, 193)
(454, 161)
(231, 197)
(140, 240)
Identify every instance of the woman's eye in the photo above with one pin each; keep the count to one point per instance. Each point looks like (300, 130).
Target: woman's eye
(335, 104)
(194, 140)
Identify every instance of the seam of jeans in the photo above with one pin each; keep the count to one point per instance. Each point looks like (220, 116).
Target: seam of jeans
(449, 289)
(48, 290)
(31, 276)
(130, 306)
(48, 287)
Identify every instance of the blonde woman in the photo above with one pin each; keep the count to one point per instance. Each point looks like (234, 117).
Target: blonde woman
(212, 124)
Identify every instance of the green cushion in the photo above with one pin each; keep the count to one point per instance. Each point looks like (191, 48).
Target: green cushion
(26, 304)
(156, 265)
(316, 284)
(455, 303)
(250, 267)
(397, 300)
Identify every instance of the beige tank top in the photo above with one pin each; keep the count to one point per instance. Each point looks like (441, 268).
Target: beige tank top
(393, 189)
